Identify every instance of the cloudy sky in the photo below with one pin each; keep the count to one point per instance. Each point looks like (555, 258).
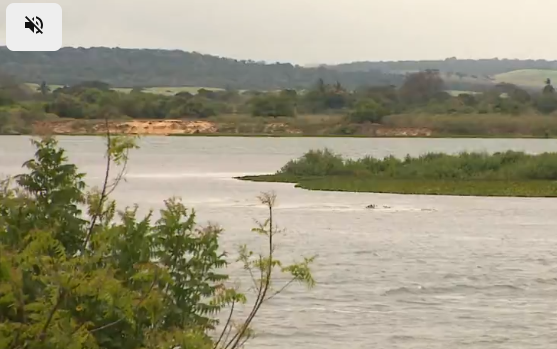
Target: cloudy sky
(317, 31)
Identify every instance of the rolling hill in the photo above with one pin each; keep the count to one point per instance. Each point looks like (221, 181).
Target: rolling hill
(470, 67)
(532, 78)
(165, 71)
(153, 68)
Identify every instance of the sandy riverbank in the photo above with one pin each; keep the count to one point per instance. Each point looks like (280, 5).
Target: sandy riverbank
(203, 127)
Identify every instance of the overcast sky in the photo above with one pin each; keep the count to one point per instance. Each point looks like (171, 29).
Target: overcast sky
(317, 31)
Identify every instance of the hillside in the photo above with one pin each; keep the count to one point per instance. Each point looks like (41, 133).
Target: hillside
(480, 67)
(153, 68)
(168, 69)
(533, 78)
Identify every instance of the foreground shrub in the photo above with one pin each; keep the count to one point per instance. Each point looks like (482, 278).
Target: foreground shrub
(110, 279)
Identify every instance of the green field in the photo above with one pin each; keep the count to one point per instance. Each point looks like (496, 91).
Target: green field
(35, 87)
(456, 93)
(169, 91)
(527, 77)
(531, 78)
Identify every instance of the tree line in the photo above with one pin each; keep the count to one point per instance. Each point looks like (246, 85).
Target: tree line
(460, 67)
(422, 92)
(152, 68)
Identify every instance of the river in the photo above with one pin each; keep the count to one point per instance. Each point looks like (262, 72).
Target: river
(430, 272)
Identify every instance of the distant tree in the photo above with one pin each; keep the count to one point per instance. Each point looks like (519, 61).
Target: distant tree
(548, 89)
(99, 85)
(513, 92)
(252, 93)
(5, 99)
(468, 99)
(273, 105)
(184, 95)
(521, 96)
(12, 89)
(198, 107)
(508, 106)
(289, 93)
(546, 103)
(441, 96)
(338, 88)
(421, 87)
(43, 88)
(368, 111)
(229, 95)
(205, 93)
(79, 87)
(385, 95)
(66, 106)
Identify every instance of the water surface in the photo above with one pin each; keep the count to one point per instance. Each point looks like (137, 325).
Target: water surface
(431, 272)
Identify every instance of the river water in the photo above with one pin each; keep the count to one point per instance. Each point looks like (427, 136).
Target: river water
(430, 272)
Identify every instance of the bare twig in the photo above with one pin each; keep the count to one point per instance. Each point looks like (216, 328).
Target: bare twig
(241, 345)
(228, 323)
(107, 325)
(252, 278)
(235, 341)
(42, 334)
(21, 308)
(119, 177)
(282, 289)
(97, 212)
(228, 333)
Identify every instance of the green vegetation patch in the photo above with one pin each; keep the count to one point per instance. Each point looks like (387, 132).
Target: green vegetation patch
(75, 272)
(527, 77)
(468, 174)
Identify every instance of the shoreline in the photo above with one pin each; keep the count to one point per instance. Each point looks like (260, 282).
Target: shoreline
(477, 188)
(289, 135)
(247, 126)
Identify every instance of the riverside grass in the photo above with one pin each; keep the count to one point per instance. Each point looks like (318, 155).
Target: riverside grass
(465, 174)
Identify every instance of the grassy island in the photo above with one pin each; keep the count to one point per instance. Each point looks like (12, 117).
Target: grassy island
(467, 174)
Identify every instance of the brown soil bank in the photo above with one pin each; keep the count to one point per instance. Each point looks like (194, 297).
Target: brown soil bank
(188, 127)
(139, 127)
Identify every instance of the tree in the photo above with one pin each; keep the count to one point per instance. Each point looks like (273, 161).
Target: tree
(84, 85)
(368, 111)
(197, 107)
(324, 97)
(468, 99)
(546, 103)
(421, 87)
(70, 280)
(273, 105)
(12, 89)
(66, 106)
(5, 99)
(548, 89)
(43, 88)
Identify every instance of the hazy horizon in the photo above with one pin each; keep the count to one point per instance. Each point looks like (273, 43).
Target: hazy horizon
(312, 32)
